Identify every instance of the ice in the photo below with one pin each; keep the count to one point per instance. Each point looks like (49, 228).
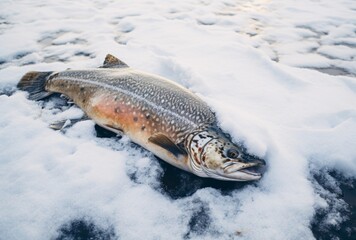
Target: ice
(270, 70)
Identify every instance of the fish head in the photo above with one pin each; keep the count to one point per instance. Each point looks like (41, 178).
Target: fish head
(213, 155)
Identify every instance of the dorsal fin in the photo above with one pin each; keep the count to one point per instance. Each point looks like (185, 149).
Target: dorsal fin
(163, 141)
(113, 62)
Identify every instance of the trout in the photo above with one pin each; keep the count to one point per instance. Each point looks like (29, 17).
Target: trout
(155, 113)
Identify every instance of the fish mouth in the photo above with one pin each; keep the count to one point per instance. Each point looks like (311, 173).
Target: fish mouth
(235, 170)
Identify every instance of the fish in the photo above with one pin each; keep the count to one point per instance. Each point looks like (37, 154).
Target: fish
(156, 113)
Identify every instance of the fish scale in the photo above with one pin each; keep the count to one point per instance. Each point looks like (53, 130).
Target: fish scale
(179, 107)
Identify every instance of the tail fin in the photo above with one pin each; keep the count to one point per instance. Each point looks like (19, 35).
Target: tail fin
(34, 83)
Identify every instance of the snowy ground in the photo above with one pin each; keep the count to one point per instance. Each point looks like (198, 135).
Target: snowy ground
(280, 76)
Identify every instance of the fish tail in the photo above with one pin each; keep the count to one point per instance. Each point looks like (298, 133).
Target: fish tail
(34, 83)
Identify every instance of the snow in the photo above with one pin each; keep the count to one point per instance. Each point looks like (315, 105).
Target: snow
(255, 63)
(310, 60)
(338, 52)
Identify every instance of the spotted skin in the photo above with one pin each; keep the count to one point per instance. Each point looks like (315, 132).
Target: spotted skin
(136, 103)
(154, 112)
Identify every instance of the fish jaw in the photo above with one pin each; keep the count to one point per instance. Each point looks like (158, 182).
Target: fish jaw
(236, 171)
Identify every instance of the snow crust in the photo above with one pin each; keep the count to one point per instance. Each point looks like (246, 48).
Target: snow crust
(249, 60)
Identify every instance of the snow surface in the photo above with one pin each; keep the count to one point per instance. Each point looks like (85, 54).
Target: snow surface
(249, 60)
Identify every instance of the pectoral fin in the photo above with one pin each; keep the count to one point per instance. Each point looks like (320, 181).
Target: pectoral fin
(65, 124)
(166, 143)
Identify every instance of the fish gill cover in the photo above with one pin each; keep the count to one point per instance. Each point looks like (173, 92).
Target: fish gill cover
(279, 75)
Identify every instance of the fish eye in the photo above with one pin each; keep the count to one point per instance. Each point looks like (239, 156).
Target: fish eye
(232, 153)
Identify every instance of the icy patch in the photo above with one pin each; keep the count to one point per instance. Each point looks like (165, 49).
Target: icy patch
(84, 229)
(332, 211)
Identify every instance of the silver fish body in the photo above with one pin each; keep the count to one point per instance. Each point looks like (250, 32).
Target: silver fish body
(154, 112)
